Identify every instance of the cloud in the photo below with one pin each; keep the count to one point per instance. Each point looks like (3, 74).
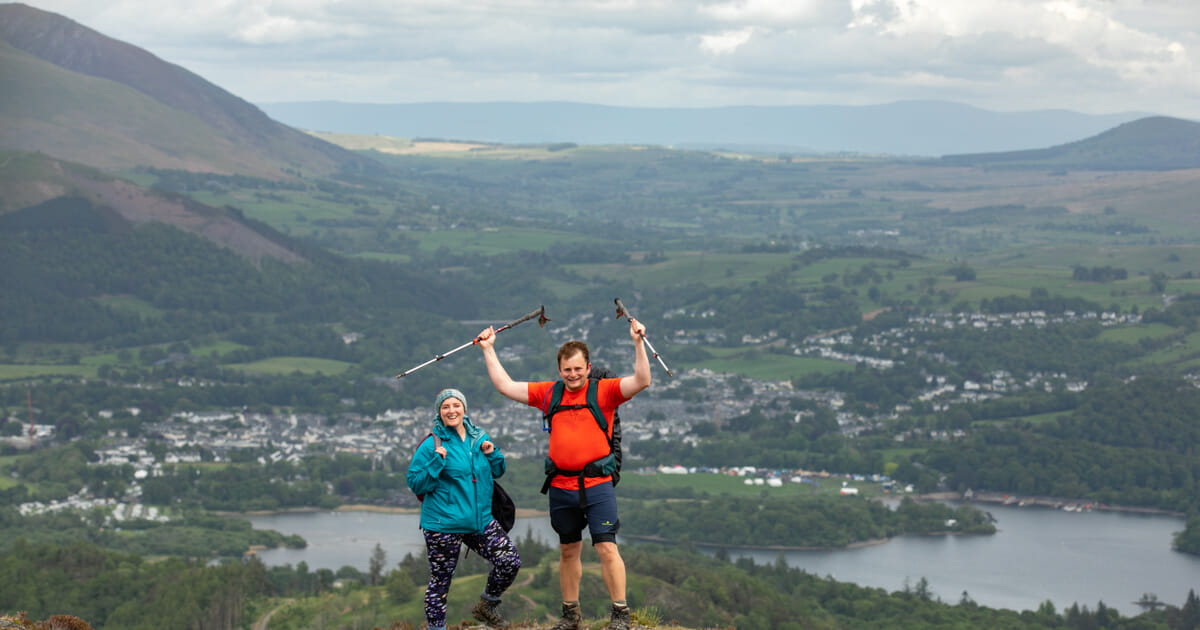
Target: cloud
(1090, 55)
(725, 42)
(784, 13)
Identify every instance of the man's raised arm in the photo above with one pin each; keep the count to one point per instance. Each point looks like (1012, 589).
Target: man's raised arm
(632, 385)
(500, 379)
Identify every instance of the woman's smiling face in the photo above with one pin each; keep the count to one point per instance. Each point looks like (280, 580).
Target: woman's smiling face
(451, 412)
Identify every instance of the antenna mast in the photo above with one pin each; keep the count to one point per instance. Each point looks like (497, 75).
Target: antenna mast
(29, 403)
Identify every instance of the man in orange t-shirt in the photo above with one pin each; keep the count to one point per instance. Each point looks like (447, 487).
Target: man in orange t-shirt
(575, 440)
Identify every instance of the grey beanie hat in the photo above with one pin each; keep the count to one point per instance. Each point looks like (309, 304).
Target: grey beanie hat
(448, 393)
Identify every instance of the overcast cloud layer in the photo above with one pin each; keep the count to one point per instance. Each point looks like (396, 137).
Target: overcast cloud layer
(1092, 56)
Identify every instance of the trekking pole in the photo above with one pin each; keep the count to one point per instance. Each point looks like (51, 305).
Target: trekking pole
(621, 310)
(540, 314)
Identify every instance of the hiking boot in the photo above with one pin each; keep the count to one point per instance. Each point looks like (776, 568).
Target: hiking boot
(619, 619)
(571, 619)
(486, 612)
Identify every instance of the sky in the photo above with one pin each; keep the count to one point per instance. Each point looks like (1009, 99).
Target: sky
(1090, 56)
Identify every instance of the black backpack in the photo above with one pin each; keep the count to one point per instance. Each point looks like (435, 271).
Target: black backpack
(609, 464)
(599, 373)
(503, 508)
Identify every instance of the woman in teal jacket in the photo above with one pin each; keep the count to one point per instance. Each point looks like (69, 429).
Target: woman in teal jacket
(454, 472)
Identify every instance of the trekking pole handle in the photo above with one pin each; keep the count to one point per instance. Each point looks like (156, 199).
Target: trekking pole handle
(621, 310)
(540, 314)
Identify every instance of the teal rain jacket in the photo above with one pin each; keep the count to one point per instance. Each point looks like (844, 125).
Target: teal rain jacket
(457, 489)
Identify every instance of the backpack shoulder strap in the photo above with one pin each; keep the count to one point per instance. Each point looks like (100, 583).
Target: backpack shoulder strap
(593, 403)
(556, 396)
(437, 441)
(552, 404)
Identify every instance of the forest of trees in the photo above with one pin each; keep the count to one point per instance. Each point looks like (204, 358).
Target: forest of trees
(1098, 274)
(194, 286)
(1188, 540)
(194, 534)
(1118, 443)
(115, 590)
(1126, 444)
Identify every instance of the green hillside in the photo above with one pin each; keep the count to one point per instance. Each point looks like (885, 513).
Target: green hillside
(75, 94)
(1157, 143)
(54, 111)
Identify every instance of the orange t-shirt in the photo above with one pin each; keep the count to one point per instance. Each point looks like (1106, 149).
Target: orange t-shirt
(575, 437)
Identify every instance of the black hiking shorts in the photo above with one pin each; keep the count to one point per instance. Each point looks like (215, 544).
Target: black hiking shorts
(600, 517)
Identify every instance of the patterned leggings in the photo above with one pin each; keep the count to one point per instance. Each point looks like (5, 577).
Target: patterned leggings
(492, 545)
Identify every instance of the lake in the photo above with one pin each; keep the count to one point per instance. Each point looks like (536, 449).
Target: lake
(1036, 554)
(338, 539)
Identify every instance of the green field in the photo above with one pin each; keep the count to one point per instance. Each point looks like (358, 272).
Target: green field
(288, 365)
(6, 464)
(1181, 351)
(396, 258)
(12, 372)
(290, 211)
(130, 304)
(1134, 334)
(1040, 418)
(715, 270)
(90, 362)
(494, 241)
(899, 453)
(216, 348)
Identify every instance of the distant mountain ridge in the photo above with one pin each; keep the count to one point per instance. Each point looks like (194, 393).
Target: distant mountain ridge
(1155, 143)
(76, 94)
(907, 128)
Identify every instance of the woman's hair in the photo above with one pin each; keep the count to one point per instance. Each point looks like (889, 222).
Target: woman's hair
(571, 348)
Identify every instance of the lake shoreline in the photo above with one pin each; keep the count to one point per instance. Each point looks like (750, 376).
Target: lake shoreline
(986, 498)
(1057, 503)
(854, 545)
(377, 509)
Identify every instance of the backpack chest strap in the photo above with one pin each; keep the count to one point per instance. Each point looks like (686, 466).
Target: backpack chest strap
(554, 405)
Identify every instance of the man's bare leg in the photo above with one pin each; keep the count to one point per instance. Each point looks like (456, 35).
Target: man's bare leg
(570, 570)
(612, 567)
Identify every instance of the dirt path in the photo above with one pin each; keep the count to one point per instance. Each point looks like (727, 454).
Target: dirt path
(261, 624)
(873, 314)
